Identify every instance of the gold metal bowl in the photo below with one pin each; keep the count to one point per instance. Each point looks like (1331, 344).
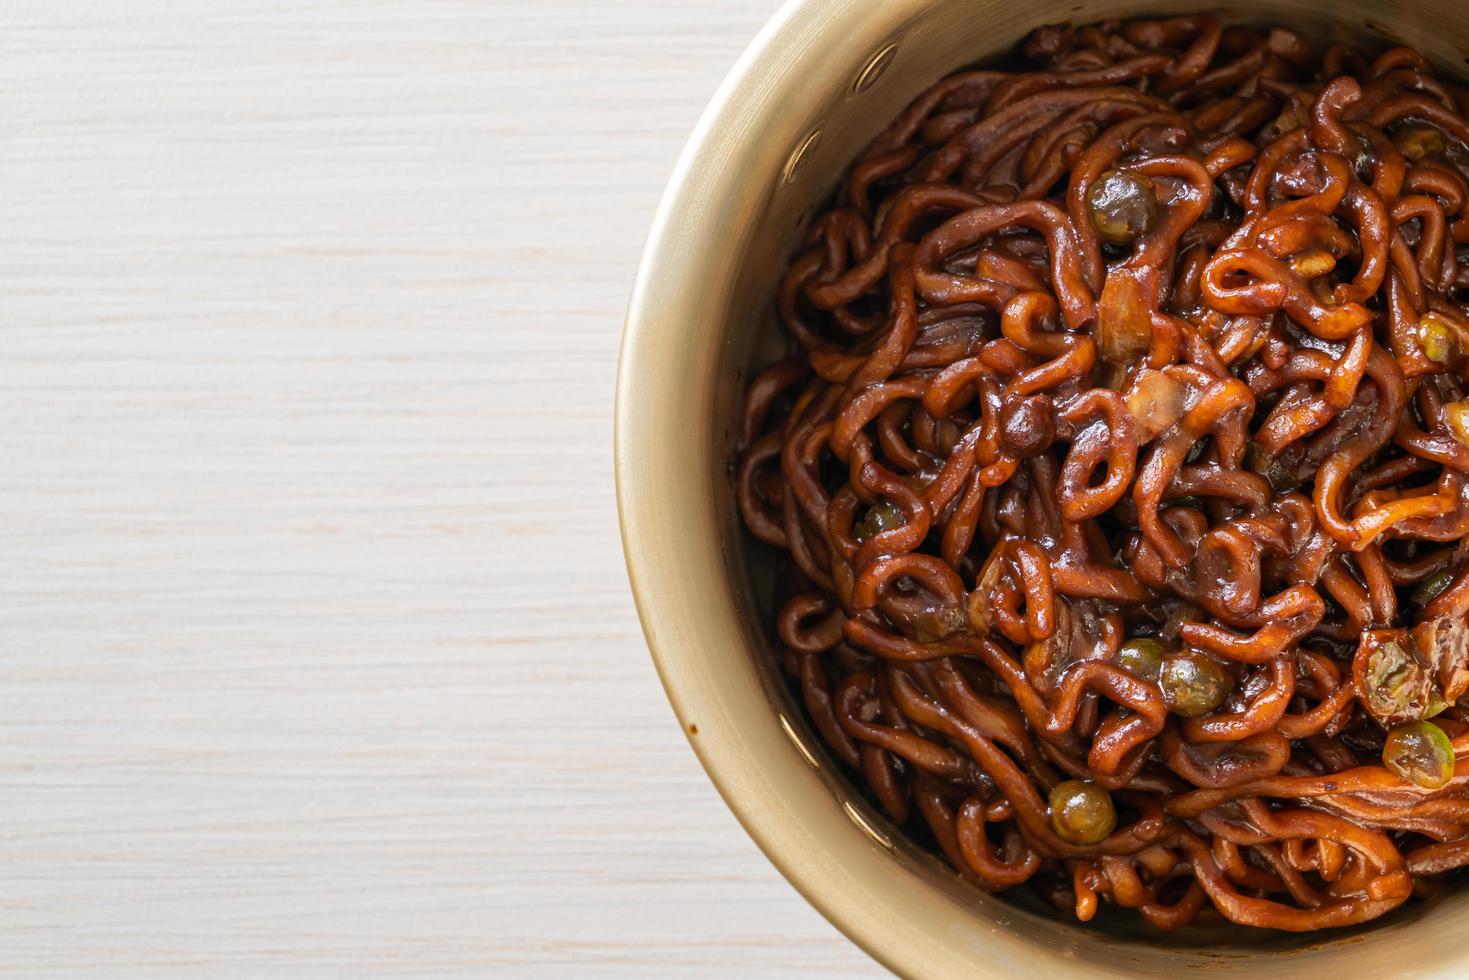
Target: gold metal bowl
(816, 85)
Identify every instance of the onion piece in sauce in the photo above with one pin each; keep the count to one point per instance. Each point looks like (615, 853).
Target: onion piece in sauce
(1156, 401)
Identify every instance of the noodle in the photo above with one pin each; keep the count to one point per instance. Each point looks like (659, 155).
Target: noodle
(1122, 473)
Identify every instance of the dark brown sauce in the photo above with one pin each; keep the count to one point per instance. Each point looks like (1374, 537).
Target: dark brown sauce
(1122, 467)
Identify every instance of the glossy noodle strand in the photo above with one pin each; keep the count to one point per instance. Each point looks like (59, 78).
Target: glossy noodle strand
(1121, 469)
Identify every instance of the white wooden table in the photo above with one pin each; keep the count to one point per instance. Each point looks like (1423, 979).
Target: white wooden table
(317, 656)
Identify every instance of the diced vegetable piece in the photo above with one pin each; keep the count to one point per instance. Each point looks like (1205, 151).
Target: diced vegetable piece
(1456, 416)
(1428, 589)
(979, 605)
(1155, 402)
(1442, 645)
(1123, 205)
(1438, 338)
(1124, 328)
(1418, 141)
(1313, 263)
(1392, 683)
(938, 622)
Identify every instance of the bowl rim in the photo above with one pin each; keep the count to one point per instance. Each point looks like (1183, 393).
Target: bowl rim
(659, 251)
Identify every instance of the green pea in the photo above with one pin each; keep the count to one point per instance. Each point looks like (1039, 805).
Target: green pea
(1421, 753)
(1418, 141)
(1429, 589)
(1123, 206)
(1193, 684)
(1082, 813)
(1142, 657)
(881, 516)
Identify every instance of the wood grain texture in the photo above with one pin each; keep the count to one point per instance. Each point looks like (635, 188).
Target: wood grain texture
(317, 656)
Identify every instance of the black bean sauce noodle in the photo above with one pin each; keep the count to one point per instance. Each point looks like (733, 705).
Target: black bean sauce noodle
(1123, 470)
